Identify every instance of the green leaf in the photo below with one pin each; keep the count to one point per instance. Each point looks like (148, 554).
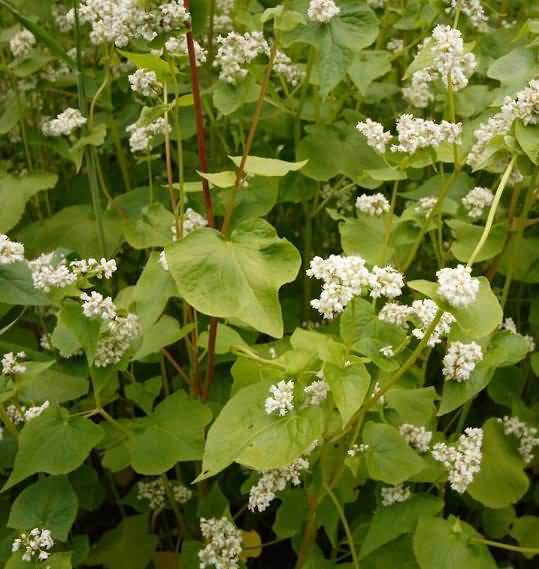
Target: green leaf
(413, 406)
(501, 480)
(15, 191)
(390, 522)
(152, 228)
(365, 236)
(54, 443)
(127, 545)
(513, 71)
(476, 320)
(239, 278)
(445, 544)
(49, 503)
(292, 513)
(244, 433)
(528, 138)
(144, 393)
(55, 561)
(258, 166)
(225, 179)
(368, 66)
(467, 236)
(164, 332)
(158, 442)
(526, 531)
(229, 98)
(150, 62)
(17, 287)
(456, 394)
(389, 458)
(349, 386)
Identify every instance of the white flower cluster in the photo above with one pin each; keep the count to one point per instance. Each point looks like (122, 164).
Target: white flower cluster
(95, 305)
(476, 200)
(155, 493)
(395, 494)
(272, 481)
(395, 45)
(64, 124)
(50, 270)
(163, 261)
(35, 411)
(387, 351)
(145, 82)
(15, 414)
(191, 220)
(357, 449)
(462, 461)
(509, 325)
(343, 278)
(11, 363)
(223, 547)
(425, 311)
(376, 394)
(10, 251)
(450, 63)
(414, 134)
(425, 205)
(223, 15)
(460, 360)
(375, 134)
(93, 268)
(235, 52)
(385, 281)
(316, 392)
(36, 543)
(471, 8)
(374, 205)
(281, 399)
(527, 436)
(417, 437)
(457, 286)
(22, 43)
(178, 46)
(285, 67)
(524, 106)
(119, 21)
(322, 11)
(395, 313)
(141, 133)
(116, 340)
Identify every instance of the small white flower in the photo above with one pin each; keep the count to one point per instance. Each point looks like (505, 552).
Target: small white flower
(417, 437)
(10, 251)
(395, 313)
(395, 45)
(36, 543)
(33, 412)
(357, 449)
(163, 260)
(116, 340)
(235, 52)
(457, 286)
(387, 351)
(395, 494)
(425, 311)
(285, 67)
(374, 132)
(64, 124)
(50, 270)
(142, 133)
(425, 205)
(223, 544)
(380, 399)
(282, 398)
(22, 43)
(191, 220)
(460, 360)
(93, 268)
(385, 281)
(11, 363)
(471, 8)
(509, 325)
(476, 200)
(178, 46)
(94, 305)
(527, 436)
(316, 392)
(463, 461)
(145, 82)
(530, 341)
(373, 205)
(181, 493)
(322, 11)
(414, 134)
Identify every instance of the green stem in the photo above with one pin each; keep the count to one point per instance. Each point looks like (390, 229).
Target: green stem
(170, 495)
(492, 212)
(499, 545)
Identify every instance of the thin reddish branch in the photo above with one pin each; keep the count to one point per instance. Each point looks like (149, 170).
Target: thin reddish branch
(201, 139)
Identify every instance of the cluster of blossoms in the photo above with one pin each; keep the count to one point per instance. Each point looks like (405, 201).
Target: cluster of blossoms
(471, 8)
(462, 461)
(22, 43)
(95, 305)
(155, 493)
(395, 313)
(346, 277)
(460, 360)
(37, 543)
(414, 134)
(425, 205)
(93, 268)
(235, 52)
(395, 45)
(116, 339)
(387, 351)
(64, 124)
(322, 11)
(20, 415)
(524, 106)
(417, 437)
(375, 134)
(191, 220)
(457, 286)
(476, 200)
(425, 311)
(316, 392)
(344, 196)
(509, 325)
(223, 15)
(357, 449)
(395, 494)
(223, 547)
(178, 46)
(374, 205)
(142, 133)
(10, 251)
(11, 363)
(527, 436)
(119, 21)
(145, 82)
(272, 481)
(281, 399)
(284, 66)
(450, 63)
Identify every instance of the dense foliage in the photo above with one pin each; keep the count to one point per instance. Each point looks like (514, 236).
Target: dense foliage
(268, 284)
